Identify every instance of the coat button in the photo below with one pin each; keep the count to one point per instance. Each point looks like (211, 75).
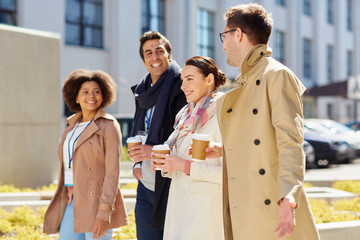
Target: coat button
(267, 202)
(255, 111)
(92, 193)
(256, 141)
(262, 171)
(229, 110)
(258, 82)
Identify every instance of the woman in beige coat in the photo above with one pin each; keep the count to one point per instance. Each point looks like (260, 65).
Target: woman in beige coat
(194, 209)
(87, 203)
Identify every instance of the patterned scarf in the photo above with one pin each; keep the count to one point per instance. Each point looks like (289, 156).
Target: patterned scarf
(191, 117)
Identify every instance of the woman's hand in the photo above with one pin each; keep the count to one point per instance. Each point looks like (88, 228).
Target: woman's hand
(168, 163)
(140, 153)
(100, 228)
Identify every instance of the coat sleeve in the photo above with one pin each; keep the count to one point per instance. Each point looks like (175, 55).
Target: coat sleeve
(284, 93)
(112, 144)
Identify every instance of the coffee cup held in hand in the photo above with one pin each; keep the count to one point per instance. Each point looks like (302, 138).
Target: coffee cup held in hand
(165, 149)
(133, 141)
(199, 143)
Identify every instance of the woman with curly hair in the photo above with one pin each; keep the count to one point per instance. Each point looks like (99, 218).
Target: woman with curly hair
(87, 203)
(194, 209)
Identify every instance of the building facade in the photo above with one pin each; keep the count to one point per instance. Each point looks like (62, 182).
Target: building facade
(318, 39)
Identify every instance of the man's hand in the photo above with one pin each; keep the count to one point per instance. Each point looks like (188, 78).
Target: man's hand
(286, 217)
(140, 153)
(100, 228)
(137, 173)
(214, 150)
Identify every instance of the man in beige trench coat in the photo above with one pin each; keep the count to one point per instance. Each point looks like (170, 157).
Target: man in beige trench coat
(261, 124)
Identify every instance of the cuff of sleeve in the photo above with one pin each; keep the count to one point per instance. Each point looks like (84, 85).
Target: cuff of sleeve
(105, 211)
(187, 167)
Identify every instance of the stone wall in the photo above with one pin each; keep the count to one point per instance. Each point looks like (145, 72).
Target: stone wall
(29, 106)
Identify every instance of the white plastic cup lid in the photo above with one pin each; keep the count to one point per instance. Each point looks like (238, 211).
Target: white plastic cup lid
(133, 139)
(161, 147)
(202, 137)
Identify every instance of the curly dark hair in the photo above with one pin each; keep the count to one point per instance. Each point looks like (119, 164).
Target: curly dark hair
(76, 78)
(207, 65)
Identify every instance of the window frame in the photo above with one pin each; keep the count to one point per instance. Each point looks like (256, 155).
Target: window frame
(281, 3)
(307, 44)
(149, 15)
(205, 48)
(330, 11)
(279, 53)
(83, 25)
(307, 8)
(11, 12)
(330, 64)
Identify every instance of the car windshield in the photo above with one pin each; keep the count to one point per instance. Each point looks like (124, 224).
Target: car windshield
(316, 127)
(337, 127)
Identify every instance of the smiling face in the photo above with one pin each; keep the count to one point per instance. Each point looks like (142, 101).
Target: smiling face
(156, 58)
(195, 85)
(90, 98)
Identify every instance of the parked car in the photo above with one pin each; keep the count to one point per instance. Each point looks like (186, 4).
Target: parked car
(126, 122)
(338, 131)
(353, 125)
(310, 155)
(326, 150)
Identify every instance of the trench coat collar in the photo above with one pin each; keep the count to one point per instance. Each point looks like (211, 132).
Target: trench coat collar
(91, 129)
(254, 56)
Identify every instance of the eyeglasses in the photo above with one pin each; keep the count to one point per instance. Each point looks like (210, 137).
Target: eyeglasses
(222, 35)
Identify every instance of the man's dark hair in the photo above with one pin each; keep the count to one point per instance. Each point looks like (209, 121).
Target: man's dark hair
(252, 19)
(150, 35)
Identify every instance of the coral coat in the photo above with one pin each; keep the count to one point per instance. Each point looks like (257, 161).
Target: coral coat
(261, 124)
(96, 169)
(194, 210)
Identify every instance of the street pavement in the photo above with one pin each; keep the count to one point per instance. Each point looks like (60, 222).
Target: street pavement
(335, 172)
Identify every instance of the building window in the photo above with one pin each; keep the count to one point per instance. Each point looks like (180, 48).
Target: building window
(279, 53)
(330, 63)
(307, 107)
(8, 12)
(153, 16)
(307, 7)
(307, 58)
(349, 111)
(280, 2)
(330, 11)
(349, 15)
(349, 63)
(205, 33)
(330, 111)
(84, 23)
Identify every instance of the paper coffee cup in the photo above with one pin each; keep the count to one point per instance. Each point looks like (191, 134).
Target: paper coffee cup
(199, 143)
(133, 141)
(165, 149)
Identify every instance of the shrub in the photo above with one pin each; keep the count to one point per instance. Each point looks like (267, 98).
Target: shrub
(124, 154)
(127, 232)
(336, 212)
(349, 186)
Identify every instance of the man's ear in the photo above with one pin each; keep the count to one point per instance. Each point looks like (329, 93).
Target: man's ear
(239, 35)
(170, 57)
